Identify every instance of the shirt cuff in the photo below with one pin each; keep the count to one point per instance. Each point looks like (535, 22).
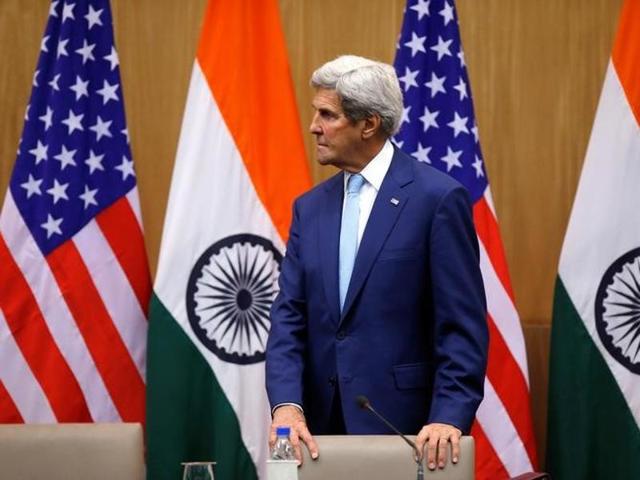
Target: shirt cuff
(299, 407)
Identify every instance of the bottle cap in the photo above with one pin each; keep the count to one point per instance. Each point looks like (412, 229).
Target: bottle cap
(283, 431)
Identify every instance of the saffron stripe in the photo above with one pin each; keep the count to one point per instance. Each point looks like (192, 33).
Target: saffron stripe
(111, 357)
(25, 321)
(122, 230)
(250, 102)
(511, 387)
(8, 410)
(489, 233)
(488, 464)
(625, 56)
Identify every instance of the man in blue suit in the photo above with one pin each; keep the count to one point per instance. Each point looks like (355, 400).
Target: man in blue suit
(380, 289)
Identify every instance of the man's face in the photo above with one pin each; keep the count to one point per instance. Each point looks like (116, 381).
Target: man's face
(337, 138)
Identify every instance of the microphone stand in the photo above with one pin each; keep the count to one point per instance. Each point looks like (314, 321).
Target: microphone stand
(363, 402)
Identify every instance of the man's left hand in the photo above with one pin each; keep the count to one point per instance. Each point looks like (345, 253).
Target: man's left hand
(436, 436)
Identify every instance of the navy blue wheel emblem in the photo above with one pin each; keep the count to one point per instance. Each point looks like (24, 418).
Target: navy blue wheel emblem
(617, 310)
(229, 295)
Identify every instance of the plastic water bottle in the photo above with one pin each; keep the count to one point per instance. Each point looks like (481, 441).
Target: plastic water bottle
(283, 450)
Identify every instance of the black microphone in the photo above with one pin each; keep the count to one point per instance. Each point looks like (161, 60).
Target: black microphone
(363, 403)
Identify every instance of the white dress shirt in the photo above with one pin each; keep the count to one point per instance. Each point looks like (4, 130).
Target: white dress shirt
(374, 174)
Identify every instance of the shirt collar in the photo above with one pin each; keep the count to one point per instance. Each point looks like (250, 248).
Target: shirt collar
(375, 171)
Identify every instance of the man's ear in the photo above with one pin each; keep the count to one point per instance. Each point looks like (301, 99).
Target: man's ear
(371, 126)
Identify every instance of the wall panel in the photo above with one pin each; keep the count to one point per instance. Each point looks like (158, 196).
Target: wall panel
(536, 70)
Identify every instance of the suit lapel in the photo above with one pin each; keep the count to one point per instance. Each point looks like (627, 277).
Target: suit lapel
(389, 202)
(329, 241)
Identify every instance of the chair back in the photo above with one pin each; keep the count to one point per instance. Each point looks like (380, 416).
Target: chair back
(378, 457)
(72, 451)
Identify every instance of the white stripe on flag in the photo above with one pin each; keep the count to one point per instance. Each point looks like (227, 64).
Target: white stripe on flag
(18, 379)
(499, 429)
(113, 286)
(503, 312)
(489, 199)
(210, 179)
(61, 323)
(605, 211)
(134, 201)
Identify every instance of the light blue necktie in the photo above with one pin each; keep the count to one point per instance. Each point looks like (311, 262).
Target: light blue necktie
(349, 233)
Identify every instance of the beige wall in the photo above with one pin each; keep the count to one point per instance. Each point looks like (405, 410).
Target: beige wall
(536, 69)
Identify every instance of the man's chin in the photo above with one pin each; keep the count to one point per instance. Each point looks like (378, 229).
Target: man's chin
(328, 160)
(324, 160)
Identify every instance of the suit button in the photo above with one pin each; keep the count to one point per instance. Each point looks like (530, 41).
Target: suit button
(332, 381)
(341, 335)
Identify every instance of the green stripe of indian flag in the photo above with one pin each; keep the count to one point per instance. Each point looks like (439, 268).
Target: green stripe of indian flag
(211, 197)
(189, 415)
(605, 219)
(591, 432)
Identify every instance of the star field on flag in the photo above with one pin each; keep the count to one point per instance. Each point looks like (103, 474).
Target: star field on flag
(74, 277)
(438, 125)
(74, 159)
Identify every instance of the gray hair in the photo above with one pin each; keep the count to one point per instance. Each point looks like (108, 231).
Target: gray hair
(365, 87)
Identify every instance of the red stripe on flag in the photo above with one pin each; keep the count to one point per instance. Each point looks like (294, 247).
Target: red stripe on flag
(120, 227)
(36, 343)
(502, 368)
(8, 411)
(510, 385)
(489, 233)
(488, 464)
(109, 353)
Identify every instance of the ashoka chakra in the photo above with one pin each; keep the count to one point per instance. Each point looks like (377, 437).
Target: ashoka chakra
(617, 310)
(229, 295)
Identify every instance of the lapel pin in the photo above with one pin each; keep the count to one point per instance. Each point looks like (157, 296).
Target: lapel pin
(395, 201)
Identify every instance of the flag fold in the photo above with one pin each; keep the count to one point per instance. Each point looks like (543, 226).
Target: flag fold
(239, 165)
(594, 374)
(439, 128)
(74, 280)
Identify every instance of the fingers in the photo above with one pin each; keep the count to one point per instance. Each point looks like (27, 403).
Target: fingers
(436, 437)
(293, 417)
(297, 448)
(421, 439)
(272, 437)
(443, 446)
(432, 446)
(307, 438)
(299, 435)
(455, 448)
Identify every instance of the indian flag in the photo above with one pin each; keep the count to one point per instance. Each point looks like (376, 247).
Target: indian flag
(594, 387)
(239, 165)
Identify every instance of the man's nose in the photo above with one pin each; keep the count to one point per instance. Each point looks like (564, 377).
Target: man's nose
(314, 127)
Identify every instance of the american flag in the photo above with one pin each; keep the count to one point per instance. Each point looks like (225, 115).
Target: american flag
(439, 128)
(74, 279)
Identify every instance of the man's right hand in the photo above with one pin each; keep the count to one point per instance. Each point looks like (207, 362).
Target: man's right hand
(288, 415)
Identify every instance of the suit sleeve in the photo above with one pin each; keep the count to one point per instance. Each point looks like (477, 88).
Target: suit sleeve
(461, 334)
(287, 338)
